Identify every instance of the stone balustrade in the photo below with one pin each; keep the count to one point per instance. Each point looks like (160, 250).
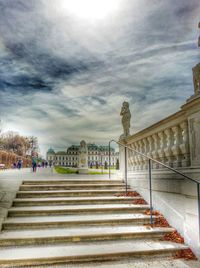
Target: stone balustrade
(166, 141)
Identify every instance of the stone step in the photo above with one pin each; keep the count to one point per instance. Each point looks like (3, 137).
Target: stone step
(83, 234)
(69, 181)
(68, 193)
(81, 209)
(22, 223)
(71, 187)
(85, 252)
(19, 202)
(154, 262)
(167, 262)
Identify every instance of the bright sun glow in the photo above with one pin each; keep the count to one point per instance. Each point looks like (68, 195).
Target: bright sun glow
(91, 9)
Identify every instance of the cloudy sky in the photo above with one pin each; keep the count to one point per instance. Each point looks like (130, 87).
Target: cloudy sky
(66, 67)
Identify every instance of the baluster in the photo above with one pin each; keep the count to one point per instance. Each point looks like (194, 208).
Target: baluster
(169, 144)
(161, 152)
(184, 146)
(131, 158)
(156, 148)
(150, 147)
(137, 156)
(176, 147)
(145, 142)
(141, 151)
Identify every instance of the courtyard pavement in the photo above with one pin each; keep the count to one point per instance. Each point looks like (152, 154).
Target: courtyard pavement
(10, 181)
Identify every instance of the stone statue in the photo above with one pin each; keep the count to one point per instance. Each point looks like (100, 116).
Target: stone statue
(196, 78)
(83, 155)
(126, 117)
(196, 73)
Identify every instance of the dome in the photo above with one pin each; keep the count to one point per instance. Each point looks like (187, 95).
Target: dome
(50, 151)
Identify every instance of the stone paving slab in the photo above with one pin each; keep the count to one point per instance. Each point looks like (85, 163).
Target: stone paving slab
(84, 249)
(91, 206)
(150, 263)
(79, 198)
(83, 231)
(67, 180)
(77, 217)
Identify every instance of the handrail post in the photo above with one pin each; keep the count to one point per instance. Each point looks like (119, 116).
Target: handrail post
(198, 199)
(109, 160)
(125, 167)
(150, 192)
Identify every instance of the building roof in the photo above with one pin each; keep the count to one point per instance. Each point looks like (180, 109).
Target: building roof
(50, 151)
(106, 148)
(61, 153)
(91, 147)
(73, 147)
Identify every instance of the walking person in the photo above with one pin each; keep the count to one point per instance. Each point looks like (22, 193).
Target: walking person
(19, 164)
(34, 164)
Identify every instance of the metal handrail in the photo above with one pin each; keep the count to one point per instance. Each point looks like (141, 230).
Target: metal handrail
(150, 160)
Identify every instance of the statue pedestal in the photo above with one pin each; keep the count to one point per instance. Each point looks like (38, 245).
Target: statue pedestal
(83, 170)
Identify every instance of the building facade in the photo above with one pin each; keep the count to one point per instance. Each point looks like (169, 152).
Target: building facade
(97, 156)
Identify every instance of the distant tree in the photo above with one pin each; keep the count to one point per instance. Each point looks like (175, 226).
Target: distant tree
(13, 142)
(106, 165)
(117, 164)
(33, 141)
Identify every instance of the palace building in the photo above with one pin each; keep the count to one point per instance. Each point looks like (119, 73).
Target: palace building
(97, 155)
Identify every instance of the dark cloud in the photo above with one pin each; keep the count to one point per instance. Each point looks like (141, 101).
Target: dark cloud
(64, 79)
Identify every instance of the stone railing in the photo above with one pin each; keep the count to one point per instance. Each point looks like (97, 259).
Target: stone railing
(173, 141)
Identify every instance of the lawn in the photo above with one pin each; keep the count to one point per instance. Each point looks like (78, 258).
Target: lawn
(62, 170)
(97, 172)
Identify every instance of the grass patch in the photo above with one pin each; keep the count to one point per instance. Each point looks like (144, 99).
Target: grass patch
(97, 173)
(62, 170)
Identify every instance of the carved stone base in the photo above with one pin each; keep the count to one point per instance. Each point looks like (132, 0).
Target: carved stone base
(123, 137)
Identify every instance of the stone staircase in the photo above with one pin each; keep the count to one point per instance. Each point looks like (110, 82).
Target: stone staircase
(76, 221)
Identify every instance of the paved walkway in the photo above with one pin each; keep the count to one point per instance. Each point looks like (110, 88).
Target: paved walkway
(10, 182)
